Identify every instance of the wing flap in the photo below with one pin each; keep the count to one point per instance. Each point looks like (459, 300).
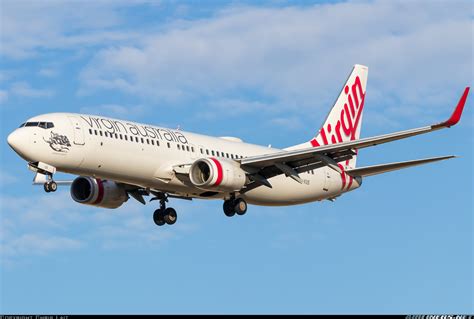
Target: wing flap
(384, 168)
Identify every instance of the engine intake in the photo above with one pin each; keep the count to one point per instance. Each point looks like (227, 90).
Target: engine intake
(217, 175)
(97, 192)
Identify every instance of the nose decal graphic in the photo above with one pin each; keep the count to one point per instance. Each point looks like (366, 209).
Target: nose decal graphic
(59, 143)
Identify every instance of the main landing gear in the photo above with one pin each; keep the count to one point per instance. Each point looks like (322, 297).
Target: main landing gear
(235, 206)
(164, 215)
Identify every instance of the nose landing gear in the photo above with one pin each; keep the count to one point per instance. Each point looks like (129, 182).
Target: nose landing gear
(50, 186)
(44, 175)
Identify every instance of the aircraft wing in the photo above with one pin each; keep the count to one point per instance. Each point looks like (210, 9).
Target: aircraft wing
(384, 168)
(291, 163)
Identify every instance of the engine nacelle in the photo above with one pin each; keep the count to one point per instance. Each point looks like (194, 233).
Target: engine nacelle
(97, 192)
(217, 175)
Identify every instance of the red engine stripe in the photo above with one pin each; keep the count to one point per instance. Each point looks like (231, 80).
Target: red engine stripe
(100, 197)
(350, 182)
(343, 176)
(220, 173)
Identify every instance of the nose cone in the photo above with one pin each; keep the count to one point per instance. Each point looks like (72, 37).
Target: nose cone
(14, 140)
(18, 141)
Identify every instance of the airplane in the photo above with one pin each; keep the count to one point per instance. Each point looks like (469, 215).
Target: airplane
(118, 159)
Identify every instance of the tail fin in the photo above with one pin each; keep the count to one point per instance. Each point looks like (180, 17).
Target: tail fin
(345, 118)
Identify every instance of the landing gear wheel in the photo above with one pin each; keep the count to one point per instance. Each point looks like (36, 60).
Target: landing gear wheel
(159, 217)
(229, 208)
(53, 186)
(170, 216)
(50, 186)
(240, 206)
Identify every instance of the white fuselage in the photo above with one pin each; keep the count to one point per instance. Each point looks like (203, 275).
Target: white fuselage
(144, 155)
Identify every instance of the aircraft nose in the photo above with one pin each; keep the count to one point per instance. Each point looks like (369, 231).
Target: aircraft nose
(14, 140)
(18, 141)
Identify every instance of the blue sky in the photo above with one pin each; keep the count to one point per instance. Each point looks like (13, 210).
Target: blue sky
(267, 72)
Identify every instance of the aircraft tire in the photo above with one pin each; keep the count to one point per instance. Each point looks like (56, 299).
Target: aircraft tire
(240, 206)
(158, 217)
(53, 186)
(229, 210)
(170, 216)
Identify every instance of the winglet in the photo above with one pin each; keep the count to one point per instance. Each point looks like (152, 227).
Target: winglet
(454, 119)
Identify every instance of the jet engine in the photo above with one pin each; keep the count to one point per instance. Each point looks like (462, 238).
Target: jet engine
(217, 175)
(97, 192)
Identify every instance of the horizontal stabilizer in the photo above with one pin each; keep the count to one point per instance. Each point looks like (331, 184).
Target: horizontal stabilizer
(384, 168)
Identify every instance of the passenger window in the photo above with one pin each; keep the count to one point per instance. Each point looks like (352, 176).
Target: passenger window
(95, 132)
(136, 139)
(227, 155)
(126, 138)
(169, 146)
(121, 136)
(100, 132)
(148, 141)
(152, 142)
(187, 148)
(157, 143)
(177, 145)
(143, 142)
(90, 132)
(192, 149)
(212, 153)
(207, 152)
(106, 134)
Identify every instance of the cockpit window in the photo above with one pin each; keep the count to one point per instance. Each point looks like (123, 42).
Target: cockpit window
(22, 124)
(45, 125)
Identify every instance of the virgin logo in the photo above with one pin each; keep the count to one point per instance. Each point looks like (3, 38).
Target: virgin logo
(346, 124)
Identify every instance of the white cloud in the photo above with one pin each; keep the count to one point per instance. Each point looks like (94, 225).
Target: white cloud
(3, 96)
(39, 244)
(299, 57)
(49, 223)
(24, 89)
(31, 26)
(229, 107)
(115, 110)
(7, 179)
(48, 72)
(290, 123)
